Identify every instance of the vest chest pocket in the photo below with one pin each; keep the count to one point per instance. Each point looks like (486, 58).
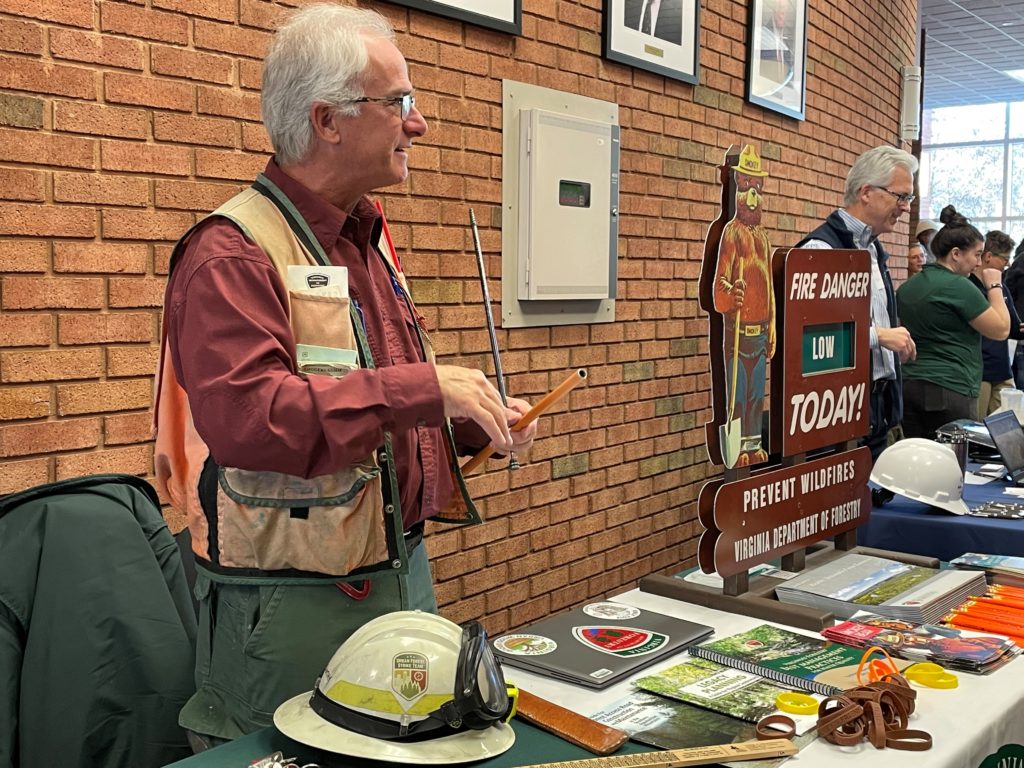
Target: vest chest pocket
(324, 340)
(329, 525)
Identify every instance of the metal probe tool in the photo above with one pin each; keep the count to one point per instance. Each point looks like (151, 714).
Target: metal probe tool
(512, 462)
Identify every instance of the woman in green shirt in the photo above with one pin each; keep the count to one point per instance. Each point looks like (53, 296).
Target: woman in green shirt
(946, 317)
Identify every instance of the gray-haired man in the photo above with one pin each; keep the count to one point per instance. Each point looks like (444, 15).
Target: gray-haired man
(296, 484)
(879, 190)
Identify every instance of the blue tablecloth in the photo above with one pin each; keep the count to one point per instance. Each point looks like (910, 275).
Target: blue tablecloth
(904, 525)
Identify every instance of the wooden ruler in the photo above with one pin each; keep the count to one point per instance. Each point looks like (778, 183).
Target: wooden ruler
(673, 758)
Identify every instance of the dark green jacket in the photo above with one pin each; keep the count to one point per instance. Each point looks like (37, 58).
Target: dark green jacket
(97, 631)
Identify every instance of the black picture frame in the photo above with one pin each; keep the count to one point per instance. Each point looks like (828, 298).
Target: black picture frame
(670, 48)
(777, 56)
(502, 15)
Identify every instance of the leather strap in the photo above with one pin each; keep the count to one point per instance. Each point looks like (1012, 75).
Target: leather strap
(767, 728)
(571, 726)
(909, 739)
(879, 712)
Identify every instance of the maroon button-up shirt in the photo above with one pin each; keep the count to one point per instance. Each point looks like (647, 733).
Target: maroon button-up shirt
(232, 349)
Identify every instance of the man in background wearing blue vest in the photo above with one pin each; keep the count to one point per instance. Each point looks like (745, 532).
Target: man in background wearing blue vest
(879, 190)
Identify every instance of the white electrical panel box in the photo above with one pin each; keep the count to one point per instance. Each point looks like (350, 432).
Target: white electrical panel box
(568, 180)
(559, 207)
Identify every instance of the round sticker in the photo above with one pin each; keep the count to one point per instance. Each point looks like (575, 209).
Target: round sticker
(525, 645)
(615, 611)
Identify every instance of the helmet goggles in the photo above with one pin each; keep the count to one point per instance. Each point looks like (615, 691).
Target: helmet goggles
(481, 698)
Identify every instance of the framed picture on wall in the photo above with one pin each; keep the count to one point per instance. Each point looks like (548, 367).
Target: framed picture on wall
(777, 56)
(503, 15)
(657, 35)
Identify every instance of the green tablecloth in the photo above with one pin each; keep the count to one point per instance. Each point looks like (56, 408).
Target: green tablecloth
(532, 746)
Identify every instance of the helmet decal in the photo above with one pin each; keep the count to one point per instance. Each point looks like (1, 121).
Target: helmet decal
(625, 642)
(409, 675)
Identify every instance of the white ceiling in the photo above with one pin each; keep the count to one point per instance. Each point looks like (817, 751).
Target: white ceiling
(968, 46)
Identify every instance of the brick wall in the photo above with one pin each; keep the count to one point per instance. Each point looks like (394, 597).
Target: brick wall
(120, 122)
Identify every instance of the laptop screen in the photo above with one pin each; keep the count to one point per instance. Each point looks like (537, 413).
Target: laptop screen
(1009, 439)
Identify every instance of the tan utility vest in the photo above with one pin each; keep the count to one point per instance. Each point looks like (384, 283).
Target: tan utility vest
(261, 525)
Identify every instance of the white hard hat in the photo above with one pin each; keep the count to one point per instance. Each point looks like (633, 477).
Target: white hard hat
(407, 687)
(923, 470)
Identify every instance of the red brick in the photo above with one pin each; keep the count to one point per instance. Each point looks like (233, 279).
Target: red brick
(96, 49)
(250, 74)
(131, 292)
(436, 28)
(193, 195)
(103, 396)
(75, 13)
(24, 403)
(189, 129)
(121, 224)
(21, 36)
(22, 475)
(148, 91)
(145, 158)
(255, 139)
(132, 361)
(216, 164)
(25, 330)
(21, 184)
(94, 188)
(48, 437)
(37, 76)
(161, 258)
(99, 119)
(24, 256)
(137, 460)
(194, 65)
(125, 428)
(143, 23)
(225, 10)
(106, 328)
(260, 13)
(36, 148)
(50, 365)
(105, 258)
(227, 103)
(230, 39)
(46, 220)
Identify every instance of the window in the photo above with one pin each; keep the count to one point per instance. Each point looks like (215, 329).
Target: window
(973, 158)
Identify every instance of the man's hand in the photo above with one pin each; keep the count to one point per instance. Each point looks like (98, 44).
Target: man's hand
(899, 341)
(523, 439)
(467, 394)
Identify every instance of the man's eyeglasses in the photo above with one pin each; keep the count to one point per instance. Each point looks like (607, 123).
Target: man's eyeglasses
(901, 197)
(405, 102)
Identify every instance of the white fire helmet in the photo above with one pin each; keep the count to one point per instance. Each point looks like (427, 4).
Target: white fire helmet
(923, 470)
(407, 687)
